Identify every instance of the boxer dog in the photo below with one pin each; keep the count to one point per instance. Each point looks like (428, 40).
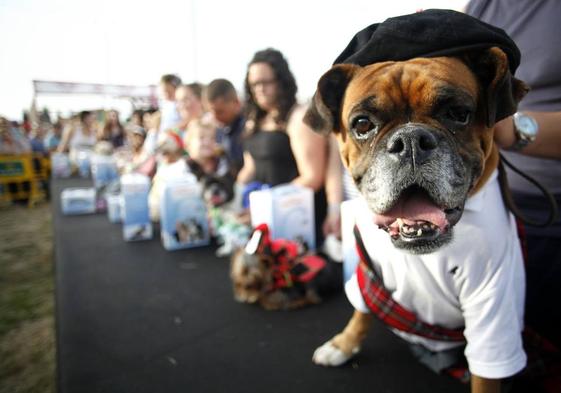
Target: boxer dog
(416, 135)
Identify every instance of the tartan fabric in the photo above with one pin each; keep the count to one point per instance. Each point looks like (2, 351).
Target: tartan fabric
(544, 363)
(288, 265)
(380, 302)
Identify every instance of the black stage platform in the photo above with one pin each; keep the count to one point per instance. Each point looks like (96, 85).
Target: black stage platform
(132, 317)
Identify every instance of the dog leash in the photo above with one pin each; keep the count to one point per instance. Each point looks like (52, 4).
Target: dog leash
(509, 200)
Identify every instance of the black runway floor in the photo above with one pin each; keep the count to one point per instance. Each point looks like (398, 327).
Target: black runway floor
(132, 317)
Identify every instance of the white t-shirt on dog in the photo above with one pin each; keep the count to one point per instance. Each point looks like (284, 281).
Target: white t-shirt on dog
(476, 281)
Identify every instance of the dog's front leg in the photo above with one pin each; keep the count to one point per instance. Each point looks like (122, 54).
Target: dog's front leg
(346, 344)
(485, 385)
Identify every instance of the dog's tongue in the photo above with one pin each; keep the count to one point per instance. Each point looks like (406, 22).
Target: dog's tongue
(413, 208)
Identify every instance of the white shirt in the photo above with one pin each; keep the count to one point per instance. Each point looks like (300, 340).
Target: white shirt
(169, 115)
(476, 281)
(151, 142)
(81, 140)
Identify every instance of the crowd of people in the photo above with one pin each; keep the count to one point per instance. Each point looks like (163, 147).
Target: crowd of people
(259, 140)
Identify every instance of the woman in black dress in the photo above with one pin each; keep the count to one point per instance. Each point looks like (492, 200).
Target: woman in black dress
(279, 147)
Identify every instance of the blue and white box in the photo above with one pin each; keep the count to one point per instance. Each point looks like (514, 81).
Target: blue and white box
(114, 207)
(104, 170)
(60, 165)
(136, 221)
(83, 161)
(288, 210)
(78, 200)
(183, 214)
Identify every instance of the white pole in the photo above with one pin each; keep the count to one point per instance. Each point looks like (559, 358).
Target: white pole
(194, 37)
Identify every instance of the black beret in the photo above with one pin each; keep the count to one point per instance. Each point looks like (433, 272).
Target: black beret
(429, 33)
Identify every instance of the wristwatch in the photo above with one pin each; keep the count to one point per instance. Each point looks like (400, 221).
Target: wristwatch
(525, 130)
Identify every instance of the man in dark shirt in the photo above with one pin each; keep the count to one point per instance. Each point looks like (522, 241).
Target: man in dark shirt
(225, 105)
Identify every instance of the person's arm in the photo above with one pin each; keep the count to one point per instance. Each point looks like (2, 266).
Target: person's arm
(100, 134)
(548, 140)
(247, 173)
(65, 141)
(310, 151)
(333, 190)
(485, 385)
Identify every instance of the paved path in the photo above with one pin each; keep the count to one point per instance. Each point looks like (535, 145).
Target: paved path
(132, 317)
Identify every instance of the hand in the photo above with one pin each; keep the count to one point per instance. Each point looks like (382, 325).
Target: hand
(332, 224)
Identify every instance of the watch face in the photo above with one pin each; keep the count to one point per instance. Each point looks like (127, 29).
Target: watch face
(526, 124)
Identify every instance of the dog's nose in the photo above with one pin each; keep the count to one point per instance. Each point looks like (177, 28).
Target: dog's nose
(414, 143)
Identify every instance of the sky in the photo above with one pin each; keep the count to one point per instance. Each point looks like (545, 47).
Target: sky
(135, 42)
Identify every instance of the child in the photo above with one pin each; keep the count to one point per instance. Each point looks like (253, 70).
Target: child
(208, 162)
(172, 165)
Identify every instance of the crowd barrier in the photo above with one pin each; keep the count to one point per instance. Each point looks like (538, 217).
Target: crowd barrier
(24, 178)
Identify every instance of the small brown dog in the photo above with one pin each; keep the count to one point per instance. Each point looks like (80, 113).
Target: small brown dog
(280, 275)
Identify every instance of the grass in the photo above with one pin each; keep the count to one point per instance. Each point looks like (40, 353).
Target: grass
(27, 343)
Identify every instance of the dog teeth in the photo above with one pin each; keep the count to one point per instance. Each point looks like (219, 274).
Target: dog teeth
(417, 229)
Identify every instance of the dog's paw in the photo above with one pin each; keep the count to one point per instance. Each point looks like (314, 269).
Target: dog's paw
(329, 355)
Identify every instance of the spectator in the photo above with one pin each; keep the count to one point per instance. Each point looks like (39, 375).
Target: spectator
(138, 157)
(52, 140)
(81, 135)
(168, 110)
(226, 108)
(45, 116)
(12, 141)
(168, 116)
(137, 118)
(26, 124)
(203, 150)
(279, 147)
(37, 138)
(189, 104)
(151, 121)
(534, 26)
(171, 165)
(208, 162)
(112, 130)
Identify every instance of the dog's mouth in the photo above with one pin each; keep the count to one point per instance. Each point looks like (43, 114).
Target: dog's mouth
(215, 196)
(415, 218)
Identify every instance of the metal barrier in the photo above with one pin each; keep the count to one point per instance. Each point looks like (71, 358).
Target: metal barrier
(24, 178)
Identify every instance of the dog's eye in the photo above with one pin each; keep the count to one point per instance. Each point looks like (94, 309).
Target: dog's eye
(362, 127)
(459, 115)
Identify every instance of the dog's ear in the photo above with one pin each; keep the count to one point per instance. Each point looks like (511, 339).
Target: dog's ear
(501, 90)
(323, 114)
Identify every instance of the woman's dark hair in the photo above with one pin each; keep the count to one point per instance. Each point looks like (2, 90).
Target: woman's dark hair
(107, 130)
(84, 115)
(286, 89)
(138, 112)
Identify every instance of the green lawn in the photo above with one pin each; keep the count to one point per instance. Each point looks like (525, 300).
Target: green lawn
(27, 344)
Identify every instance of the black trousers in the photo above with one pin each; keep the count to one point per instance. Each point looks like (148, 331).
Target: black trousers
(543, 269)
